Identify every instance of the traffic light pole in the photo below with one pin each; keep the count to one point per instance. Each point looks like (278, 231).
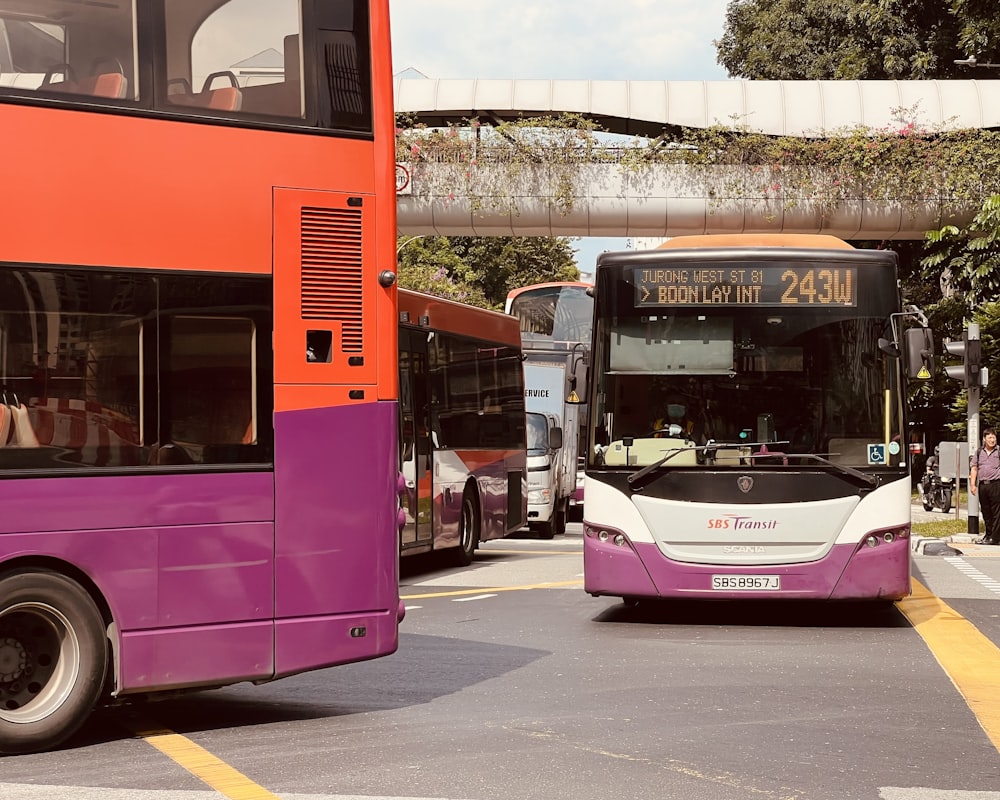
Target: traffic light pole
(973, 389)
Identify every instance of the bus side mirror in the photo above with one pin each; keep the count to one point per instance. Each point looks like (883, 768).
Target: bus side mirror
(918, 353)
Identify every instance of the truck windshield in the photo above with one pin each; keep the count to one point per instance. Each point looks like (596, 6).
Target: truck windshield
(538, 433)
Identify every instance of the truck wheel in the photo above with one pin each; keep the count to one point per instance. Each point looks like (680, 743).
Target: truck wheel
(468, 534)
(546, 530)
(561, 515)
(53, 658)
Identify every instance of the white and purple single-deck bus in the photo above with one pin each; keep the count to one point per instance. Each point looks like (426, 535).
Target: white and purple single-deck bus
(747, 434)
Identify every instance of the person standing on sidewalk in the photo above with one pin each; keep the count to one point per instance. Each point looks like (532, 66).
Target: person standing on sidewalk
(984, 475)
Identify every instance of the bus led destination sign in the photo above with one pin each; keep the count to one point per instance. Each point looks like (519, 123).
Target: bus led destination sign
(764, 285)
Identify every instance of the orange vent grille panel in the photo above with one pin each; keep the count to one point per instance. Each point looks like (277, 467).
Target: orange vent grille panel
(332, 271)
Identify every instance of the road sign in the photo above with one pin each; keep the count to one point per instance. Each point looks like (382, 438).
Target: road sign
(403, 185)
(953, 456)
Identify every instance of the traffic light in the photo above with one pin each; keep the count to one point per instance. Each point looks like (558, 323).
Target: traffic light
(971, 353)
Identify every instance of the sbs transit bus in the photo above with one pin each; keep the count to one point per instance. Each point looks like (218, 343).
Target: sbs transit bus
(555, 320)
(198, 438)
(747, 434)
(462, 429)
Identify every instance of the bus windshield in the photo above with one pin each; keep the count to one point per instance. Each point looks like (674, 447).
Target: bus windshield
(738, 384)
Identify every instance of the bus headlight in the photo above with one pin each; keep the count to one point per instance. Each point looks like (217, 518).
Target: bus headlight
(871, 541)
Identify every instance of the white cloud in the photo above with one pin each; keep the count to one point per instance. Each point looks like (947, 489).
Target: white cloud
(626, 39)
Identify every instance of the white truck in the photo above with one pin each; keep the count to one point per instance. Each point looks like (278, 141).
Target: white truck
(553, 436)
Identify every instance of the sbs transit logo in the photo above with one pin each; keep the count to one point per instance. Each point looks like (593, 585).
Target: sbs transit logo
(740, 522)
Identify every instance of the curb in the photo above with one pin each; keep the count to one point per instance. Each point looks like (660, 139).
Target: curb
(934, 546)
(957, 544)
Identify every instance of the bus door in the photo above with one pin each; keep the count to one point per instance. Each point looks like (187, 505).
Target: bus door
(414, 437)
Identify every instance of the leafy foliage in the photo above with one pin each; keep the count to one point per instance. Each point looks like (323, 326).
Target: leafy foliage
(481, 271)
(856, 39)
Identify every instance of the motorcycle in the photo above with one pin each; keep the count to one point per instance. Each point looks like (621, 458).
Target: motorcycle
(936, 492)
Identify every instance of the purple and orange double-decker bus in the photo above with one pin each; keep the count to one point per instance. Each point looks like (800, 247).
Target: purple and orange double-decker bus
(198, 391)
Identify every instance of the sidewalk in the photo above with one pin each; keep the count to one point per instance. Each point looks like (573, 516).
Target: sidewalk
(958, 541)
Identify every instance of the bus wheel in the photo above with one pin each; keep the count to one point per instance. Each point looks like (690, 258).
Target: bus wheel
(53, 658)
(469, 533)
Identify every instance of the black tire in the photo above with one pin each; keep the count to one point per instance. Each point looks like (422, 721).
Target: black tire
(562, 514)
(927, 506)
(53, 659)
(546, 530)
(946, 501)
(468, 533)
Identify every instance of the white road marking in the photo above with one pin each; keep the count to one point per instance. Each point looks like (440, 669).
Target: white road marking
(474, 597)
(970, 571)
(925, 793)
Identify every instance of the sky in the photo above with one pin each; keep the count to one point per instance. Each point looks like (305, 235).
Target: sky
(585, 40)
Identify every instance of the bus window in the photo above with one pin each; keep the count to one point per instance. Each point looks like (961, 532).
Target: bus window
(250, 59)
(209, 384)
(344, 77)
(71, 368)
(83, 50)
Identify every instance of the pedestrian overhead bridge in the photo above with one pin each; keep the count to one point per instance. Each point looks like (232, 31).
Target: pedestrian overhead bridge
(665, 200)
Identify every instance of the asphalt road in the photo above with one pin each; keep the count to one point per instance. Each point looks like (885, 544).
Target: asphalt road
(511, 682)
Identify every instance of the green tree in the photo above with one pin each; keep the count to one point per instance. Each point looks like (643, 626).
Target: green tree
(966, 261)
(482, 270)
(856, 39)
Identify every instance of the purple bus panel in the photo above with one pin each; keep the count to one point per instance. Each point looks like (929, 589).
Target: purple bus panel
(337, 542)
(191, 569)
(847, 572)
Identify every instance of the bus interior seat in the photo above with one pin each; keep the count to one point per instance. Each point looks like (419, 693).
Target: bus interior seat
(225, 98)
(112, 85)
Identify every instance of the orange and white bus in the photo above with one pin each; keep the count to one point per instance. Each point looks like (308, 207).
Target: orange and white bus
(462, 425)
(198, 385)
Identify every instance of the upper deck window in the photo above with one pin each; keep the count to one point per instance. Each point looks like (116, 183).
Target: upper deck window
(77, 50)
(257, 58)
(293, 62)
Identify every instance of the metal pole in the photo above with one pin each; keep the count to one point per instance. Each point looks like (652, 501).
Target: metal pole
(958, 482)
(973, 414)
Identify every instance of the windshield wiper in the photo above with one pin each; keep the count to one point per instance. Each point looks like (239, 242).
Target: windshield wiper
(633, 479)
(871, 480)
(647, 470)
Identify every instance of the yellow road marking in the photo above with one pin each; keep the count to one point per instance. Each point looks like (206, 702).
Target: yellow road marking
(969, 659)
(226, 780)
(483, 590)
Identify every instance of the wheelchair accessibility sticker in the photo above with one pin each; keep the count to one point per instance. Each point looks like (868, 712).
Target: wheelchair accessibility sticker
(876, 454)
